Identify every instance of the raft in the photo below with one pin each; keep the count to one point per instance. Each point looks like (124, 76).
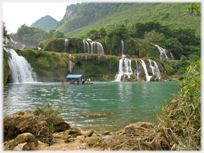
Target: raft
(67, 83)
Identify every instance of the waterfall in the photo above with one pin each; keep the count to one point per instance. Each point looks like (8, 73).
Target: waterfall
(88, 47)
(163, 53)
(145, 70)
(172, 57)
(123, 55)
(155, 69)
(66, 45)
(92, 47)
(21, 71)
(70, 63)
(86, 44)
(124, 69)
(98, 46)
(137, 70)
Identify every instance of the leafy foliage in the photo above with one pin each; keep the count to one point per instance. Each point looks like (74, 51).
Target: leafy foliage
(86, 16)
(183, 114)
(31, 36)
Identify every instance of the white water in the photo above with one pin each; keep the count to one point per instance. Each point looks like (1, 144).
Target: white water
(155, 69)
(163, 53)
(124, 69)
(145, 70)
(137, 70)
(66, 44)
(98, 46)
(124, 66)
(86, 47)
(21, 71)
(123, 55)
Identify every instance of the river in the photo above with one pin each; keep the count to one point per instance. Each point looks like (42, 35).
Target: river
(118, 103)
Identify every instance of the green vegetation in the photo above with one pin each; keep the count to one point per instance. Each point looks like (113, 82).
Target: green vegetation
(50, 116)
(6, 55)
(182, 116)
(30, 36)
(86, 16)
(46, 23)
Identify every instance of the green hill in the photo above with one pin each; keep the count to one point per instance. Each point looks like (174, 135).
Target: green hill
(46, 23)
(80, 18)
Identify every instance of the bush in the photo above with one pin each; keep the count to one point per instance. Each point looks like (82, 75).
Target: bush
(183, 114)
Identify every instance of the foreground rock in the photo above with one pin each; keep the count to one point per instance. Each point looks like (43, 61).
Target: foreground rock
(23, 122)
(24, 141)
(26, 131)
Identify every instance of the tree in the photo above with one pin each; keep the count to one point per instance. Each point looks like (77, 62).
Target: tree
(102, 32)
(58, 34)
(93, 34)
(194, 8)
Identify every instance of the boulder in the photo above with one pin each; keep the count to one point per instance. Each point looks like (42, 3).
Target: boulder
(24, 141)
(21, 146)
(106, 132)
(88, 133)
(22, 122)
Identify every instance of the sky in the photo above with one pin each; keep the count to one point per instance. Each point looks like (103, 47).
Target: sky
(17, 13)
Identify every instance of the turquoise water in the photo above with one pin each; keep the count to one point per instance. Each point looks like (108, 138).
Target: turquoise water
(121, 103)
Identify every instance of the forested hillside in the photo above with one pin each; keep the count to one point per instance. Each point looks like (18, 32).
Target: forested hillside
(80, 18)
(46, 23)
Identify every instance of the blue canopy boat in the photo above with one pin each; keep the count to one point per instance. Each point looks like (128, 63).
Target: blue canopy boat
(76, 76)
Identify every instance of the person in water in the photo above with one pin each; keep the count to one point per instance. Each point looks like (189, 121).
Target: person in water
(82, 80)
(62, 81)
(89, 80)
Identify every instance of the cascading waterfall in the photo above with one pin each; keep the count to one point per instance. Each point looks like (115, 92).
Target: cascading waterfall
(70, 63)
(137, 70)
(92, 47)
(145, 70)
(97, 46)
(86, 44)
(124, 66)
(152, 64)
(100, 48)
(123, 55)
(21, 71)
(155, 68)
(66, 45)
(163, 53)
(124, 69)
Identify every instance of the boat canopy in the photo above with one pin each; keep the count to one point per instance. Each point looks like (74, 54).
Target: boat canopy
(74, 76)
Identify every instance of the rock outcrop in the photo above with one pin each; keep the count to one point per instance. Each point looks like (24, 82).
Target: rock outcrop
(23, 122)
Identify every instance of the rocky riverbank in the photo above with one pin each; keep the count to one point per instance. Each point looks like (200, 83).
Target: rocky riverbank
(34, 131)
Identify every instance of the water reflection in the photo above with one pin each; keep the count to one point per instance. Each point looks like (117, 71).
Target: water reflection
(122, 102)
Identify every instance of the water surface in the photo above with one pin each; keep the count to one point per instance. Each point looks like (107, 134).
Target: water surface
(120, 103)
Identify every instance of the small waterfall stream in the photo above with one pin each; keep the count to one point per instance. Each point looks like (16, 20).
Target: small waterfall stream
(97, 47)
(66, 45)
(21, 71)
(124, 66)
(145, 70)
(164, 53)
(155, 68)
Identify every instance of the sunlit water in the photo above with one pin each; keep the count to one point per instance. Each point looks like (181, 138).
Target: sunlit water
(122, 103)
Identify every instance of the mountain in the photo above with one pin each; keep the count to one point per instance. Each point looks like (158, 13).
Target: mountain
(46, 23)
(80, 18)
